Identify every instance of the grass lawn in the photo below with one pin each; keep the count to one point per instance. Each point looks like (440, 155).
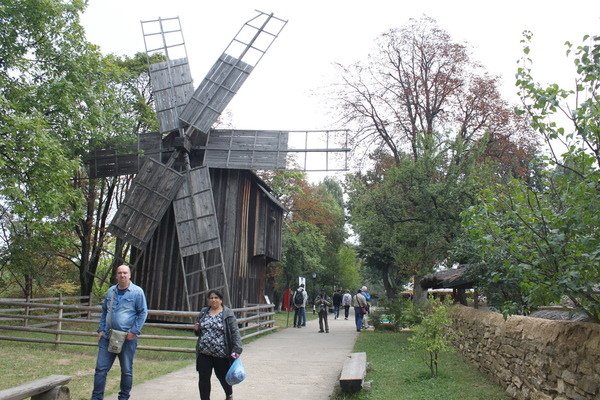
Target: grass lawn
(398, 373)
(23, 362)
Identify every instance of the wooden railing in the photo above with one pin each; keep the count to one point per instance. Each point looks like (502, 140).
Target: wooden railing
(51, 323)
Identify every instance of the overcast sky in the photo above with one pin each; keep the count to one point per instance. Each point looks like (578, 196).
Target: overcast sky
(280, 93)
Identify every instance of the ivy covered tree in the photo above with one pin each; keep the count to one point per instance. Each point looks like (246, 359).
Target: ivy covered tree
(542, 233)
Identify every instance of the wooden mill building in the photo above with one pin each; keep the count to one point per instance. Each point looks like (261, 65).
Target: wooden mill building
(250, 221)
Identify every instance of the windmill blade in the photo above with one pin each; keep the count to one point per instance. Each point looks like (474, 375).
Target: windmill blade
(151, 193)
(247, 149)
(171, 79)
(198, 233)
(309, 150)
(195, 216)
(103, 163)
(230, 71)
(172, 88)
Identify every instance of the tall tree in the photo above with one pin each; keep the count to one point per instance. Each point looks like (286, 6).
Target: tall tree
(427, 112)
(127, 104)
(43, 100)
(59, 98)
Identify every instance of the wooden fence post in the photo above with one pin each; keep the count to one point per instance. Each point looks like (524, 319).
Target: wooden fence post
(89, 313)
(26, 319)
(244, 313)
(59, 324)
(260, 326)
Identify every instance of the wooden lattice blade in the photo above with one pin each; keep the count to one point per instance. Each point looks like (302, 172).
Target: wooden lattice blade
(126, 160)
(172, 88)
(247, 149)
(197, 226)
(151, 193)
(215, 92)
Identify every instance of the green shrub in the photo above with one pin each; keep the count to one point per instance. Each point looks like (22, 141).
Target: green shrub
(395, 314)
(433, 335)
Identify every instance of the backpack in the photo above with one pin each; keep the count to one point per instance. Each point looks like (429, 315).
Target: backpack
(298, 298)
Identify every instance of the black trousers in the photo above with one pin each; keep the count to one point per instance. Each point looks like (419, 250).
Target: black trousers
(205, 364)
(346, 310)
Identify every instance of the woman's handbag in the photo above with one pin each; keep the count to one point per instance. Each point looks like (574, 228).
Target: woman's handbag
(236, 372)
(115, 340)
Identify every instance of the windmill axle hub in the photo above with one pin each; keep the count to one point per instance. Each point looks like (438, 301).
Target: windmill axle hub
(182, 144)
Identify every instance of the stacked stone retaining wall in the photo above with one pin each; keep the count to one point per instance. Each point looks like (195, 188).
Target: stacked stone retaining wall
(532, 358)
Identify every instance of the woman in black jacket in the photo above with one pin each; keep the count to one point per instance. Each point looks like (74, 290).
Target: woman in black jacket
(219, 343)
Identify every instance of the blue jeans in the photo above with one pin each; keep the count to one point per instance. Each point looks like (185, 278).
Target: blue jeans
(300, 316)
(105, 361)
(358, 318)
(336, 311)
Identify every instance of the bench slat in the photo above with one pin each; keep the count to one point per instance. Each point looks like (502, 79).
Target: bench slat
(353, 372)
(32, 388)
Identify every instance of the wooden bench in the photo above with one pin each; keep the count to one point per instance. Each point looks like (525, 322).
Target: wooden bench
(353, 372)
(48, 388)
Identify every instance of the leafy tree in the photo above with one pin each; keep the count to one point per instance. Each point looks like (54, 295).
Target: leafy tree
(347, 268)
(59, 99)
(303, 245)
(43, 103)
(426, 113)
(542, 233)
(128, 112)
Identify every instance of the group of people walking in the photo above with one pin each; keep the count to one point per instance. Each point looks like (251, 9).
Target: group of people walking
(124, 311)
(360, 303)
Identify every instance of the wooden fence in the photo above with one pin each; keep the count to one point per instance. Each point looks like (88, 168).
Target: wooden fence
(50, 320)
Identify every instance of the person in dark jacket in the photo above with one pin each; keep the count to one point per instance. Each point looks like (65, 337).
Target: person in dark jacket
(337, 302)
(219, 343)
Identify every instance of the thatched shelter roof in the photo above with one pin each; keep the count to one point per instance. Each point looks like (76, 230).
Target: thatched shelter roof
(454, 278)
(560, 314)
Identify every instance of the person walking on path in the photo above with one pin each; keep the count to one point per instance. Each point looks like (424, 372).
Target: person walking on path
(360, 304)
(337, 302)
(124, 309)
(219, 343)
(346, 303)
(268, 363)
(299, 300)
(322, 302)
(367, 307)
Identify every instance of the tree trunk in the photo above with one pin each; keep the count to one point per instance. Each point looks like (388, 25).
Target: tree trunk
(28, 287)
(419, 294)
(391, 290)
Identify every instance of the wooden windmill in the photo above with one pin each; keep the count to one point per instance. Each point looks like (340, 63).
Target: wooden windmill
(173, 180)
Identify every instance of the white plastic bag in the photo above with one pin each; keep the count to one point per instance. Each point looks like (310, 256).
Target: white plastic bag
(236, 372)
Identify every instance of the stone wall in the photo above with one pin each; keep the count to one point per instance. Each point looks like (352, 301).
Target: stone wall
(532, 358)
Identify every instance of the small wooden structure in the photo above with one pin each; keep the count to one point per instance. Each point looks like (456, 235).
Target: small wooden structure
(49, 388)
(455, 278)
(353, 372)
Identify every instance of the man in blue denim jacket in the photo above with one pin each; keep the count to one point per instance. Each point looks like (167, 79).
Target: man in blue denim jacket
(124, 308)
